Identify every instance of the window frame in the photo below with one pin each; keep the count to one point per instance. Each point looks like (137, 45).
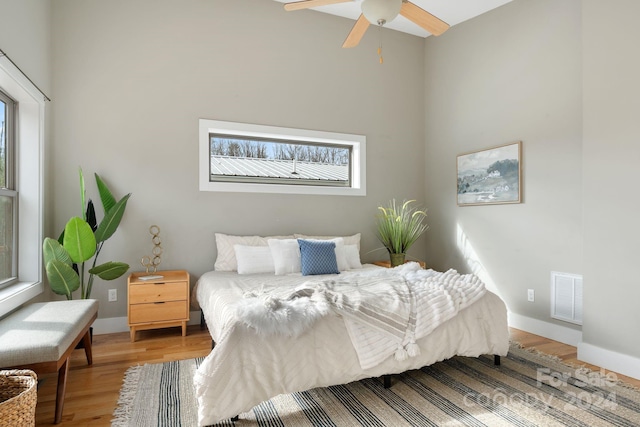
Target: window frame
(29, 183)
(10, 139)
(9, 190)
(357, 144)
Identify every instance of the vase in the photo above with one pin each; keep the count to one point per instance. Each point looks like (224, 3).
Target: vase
(396, 259)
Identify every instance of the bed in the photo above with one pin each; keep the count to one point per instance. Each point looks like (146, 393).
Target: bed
(326, 341)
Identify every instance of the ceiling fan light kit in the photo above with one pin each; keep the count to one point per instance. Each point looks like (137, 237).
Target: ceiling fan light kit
(380, 12)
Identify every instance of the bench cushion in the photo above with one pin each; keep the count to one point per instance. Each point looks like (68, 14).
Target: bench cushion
(42, 332)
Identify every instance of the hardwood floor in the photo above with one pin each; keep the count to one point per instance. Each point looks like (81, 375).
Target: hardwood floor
(567, 353)
(92, 391)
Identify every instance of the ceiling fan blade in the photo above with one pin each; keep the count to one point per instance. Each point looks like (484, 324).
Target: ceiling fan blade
(357, 32)
(310, 3)
(424, 19)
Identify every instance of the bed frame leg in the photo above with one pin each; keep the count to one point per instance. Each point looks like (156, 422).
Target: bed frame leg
(202, 322)
(234, 419)
(386, 381)
(496, 360)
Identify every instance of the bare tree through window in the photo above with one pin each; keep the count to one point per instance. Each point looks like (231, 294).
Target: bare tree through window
(290, 162)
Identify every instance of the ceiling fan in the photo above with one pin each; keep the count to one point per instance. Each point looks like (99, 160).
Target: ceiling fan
(379, 12)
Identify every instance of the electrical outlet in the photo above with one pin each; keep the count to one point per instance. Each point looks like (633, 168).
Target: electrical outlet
(113, 295)
(531, 295)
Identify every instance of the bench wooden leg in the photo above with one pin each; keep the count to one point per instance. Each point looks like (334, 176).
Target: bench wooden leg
(86, 342)
(61, 390)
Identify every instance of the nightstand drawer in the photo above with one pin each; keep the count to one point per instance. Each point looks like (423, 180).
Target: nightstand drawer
(157, 292)
(160, 311)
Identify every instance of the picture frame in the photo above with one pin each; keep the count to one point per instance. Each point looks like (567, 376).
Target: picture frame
(490, 176)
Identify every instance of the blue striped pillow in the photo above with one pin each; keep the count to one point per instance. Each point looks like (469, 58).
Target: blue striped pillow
(318, 257)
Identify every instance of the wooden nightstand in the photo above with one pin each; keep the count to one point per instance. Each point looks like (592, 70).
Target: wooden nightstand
(387, 264)
(158, 303)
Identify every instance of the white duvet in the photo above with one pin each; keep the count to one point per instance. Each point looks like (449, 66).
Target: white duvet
(246, 368)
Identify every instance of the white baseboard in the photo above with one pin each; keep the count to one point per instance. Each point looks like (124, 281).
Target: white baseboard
(545, 329)
(618, 362)
(111, 325)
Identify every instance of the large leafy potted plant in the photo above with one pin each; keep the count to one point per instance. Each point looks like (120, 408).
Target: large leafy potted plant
(398, 227)
(67, 259)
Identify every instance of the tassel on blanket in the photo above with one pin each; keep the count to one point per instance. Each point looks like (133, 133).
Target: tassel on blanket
(413, 349)
(401, 354)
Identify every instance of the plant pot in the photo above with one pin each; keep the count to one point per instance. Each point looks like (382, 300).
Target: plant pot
(396, 259)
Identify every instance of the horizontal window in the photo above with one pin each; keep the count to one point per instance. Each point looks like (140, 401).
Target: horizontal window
(253, 158)
(238, 159)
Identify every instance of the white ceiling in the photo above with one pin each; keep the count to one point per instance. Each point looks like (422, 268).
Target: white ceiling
(450, 11)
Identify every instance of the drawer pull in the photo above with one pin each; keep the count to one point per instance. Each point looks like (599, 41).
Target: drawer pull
(159, 302)
(159, 283)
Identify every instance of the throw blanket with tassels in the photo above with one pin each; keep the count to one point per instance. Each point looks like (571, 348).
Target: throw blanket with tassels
(385, 311)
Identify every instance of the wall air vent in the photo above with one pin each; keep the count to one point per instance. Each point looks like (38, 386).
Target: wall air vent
(566, 297)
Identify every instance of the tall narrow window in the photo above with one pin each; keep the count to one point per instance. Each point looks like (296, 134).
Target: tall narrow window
(8, 194)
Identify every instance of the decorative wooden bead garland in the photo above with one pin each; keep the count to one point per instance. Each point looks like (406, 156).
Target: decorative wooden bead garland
(152, 262)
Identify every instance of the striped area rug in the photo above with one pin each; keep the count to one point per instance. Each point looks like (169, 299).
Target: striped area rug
(526, 390)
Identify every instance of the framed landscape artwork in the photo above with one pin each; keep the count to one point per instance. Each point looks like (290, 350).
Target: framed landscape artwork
(490, 176)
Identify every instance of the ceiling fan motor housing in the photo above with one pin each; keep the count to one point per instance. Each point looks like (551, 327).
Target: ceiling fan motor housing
(380, 12)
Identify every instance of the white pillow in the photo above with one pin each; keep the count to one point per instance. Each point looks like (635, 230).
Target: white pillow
(341, 255)
(353, 256)
(348, 240)
(254, 259)
(226, 259)
(286, 255)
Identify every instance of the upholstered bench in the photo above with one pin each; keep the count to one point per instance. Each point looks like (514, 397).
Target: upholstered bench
(41, 337)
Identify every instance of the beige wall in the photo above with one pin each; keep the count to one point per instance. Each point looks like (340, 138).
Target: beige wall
(611, 155)
(513, 74)
(131, 80)
(25, 36)
(561, 76)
